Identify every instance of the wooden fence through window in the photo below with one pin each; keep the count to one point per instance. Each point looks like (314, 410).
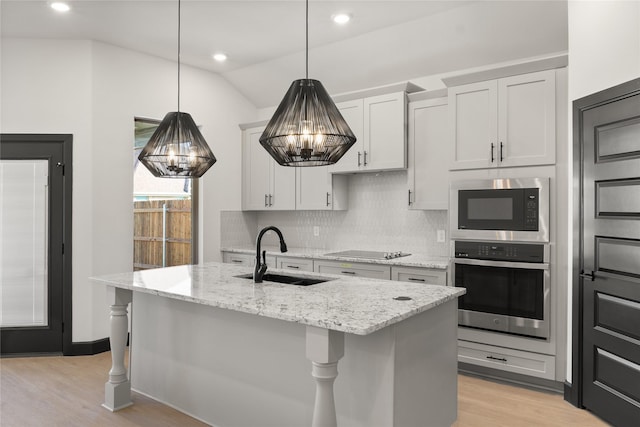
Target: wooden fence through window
(162, 233)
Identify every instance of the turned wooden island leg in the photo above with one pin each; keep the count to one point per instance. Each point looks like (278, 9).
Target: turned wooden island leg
(324, 348)
(117, 391)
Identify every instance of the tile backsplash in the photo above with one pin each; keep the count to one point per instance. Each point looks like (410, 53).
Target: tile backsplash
(378, 219)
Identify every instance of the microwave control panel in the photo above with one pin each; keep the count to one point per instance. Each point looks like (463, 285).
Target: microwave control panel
(531, 209)
(500, 251)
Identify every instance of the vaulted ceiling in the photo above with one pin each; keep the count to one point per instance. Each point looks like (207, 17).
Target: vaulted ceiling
(385, 42)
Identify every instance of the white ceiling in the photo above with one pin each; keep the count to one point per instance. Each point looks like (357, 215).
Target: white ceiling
(386, 41)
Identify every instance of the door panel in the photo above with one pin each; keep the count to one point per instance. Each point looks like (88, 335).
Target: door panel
(610, 133)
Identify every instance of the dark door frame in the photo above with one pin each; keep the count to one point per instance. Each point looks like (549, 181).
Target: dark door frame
(67, 148)
(573, 391)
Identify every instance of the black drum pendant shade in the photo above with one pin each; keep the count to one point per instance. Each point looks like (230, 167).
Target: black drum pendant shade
(307, 129)
(177, 149)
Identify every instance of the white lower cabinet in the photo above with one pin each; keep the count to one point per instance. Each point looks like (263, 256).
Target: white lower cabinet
(246, 259)
(291, 263)
(355, 269)
(506, 359)
(419, 275)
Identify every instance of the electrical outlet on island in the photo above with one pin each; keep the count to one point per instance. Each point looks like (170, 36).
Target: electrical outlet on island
(440, 236)
(316, 230)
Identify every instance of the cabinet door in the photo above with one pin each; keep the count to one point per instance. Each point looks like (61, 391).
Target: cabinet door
(473, 121)
(428, 154)
(313, 188)
(256, 164)
(283, 187)
(385, 132)
(527, 119)
(353, 114)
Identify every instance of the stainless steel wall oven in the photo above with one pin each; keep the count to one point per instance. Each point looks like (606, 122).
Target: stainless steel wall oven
(507, 286)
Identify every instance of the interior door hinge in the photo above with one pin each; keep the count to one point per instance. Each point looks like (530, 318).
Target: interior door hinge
(60, 165)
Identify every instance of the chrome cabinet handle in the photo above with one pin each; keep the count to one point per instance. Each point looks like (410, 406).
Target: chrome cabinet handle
(270, 198)
(238, 261)
(492, 158)
(292, 266)
(500, 359)
(265, 201)
(358, 158)
(348, 272)
(409, 197)
(413, 279)
(501, 156)
(365, 158)
(327, 198)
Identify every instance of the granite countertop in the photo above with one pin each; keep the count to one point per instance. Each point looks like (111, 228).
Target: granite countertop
(413, 260)
(349, 304)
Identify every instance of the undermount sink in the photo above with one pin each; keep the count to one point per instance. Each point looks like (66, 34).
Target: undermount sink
(289, 280)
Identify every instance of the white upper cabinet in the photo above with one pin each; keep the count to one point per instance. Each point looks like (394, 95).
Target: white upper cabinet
(379, 123)
(268, 186)
(317, 189)
(352, 112)
(503, 123)
(429, 152)
(265, 184)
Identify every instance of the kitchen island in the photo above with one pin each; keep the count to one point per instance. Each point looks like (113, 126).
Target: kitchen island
(232, 353)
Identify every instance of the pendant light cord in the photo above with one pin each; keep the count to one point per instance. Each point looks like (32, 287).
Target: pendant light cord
(307, 40)
(179, 55)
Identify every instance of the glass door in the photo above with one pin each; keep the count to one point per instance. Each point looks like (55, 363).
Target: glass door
(24, 219)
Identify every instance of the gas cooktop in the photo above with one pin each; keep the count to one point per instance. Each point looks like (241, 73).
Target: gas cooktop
(369, 254)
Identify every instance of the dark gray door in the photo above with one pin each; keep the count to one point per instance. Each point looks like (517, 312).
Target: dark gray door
(609, 270)
(34, 225)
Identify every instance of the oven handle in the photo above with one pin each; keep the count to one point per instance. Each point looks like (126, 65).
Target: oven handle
(506, 264)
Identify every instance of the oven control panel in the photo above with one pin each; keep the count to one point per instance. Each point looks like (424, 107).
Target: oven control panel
(500, 251)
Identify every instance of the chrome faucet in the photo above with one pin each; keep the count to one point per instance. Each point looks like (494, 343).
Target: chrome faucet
(261, 267)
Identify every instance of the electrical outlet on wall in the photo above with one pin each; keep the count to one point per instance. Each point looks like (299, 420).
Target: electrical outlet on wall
(440, 237)
(316, 230)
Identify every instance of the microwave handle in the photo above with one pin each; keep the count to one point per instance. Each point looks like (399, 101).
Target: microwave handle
(506, 264)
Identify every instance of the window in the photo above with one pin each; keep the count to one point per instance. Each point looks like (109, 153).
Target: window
(164, 211)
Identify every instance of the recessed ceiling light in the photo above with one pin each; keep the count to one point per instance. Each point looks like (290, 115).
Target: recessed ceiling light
(60, 6)
(341, 18)
(220, 57)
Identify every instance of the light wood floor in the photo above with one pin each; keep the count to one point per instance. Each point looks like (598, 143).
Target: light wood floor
(68, 391)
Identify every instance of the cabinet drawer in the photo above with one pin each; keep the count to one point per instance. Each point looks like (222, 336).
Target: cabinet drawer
(300, 264)
(505, 359)
(353, 269)
(419, 275)
(239, 259)
(245, 259)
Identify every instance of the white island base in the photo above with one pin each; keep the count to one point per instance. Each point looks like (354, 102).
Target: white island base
(231, 369)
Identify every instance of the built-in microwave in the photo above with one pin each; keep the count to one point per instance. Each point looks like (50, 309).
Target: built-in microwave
(500, 209)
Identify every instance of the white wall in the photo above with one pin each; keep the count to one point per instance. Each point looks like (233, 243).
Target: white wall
(604, 51)
(94, 91)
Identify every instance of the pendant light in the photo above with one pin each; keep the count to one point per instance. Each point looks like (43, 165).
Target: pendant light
(177, 149)
(307, 128)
